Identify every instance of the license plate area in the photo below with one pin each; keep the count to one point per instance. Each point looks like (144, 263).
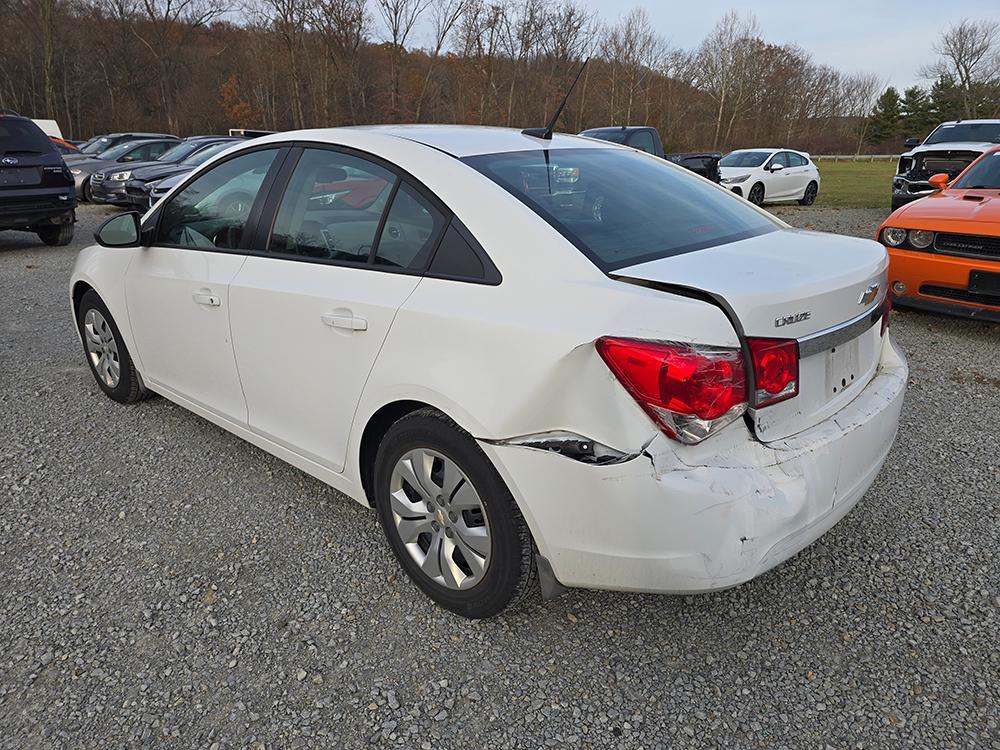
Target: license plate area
(18, 176)
(843, 369)
(984, 282)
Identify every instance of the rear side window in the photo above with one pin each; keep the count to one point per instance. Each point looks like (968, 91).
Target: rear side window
(23, 137)
(212, 211)
(794, 160)
(411, 228)
(621, 208)
(332, 207)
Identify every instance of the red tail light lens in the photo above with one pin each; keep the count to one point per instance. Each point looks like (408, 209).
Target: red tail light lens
(775, 368)
(688, 391)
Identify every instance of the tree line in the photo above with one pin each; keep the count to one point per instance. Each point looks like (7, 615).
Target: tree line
(196, 66)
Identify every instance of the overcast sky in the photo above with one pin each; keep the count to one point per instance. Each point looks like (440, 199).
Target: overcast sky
(890, 37)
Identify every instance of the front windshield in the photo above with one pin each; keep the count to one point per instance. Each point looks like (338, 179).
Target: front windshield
(622, 207)
(96, 146)
(965, 132)
(179, 152)
(744, 159)
(120, 150)
(200, 157)
(983, 175)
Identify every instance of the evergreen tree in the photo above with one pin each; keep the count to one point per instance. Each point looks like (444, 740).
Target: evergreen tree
(918, 118)
(946, 99)
(886, 118)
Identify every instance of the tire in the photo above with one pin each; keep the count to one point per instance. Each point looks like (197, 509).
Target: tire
(432, 534)
(58, 235)
(85, 194)
(756, 194)
(98, 333)
(809, 195)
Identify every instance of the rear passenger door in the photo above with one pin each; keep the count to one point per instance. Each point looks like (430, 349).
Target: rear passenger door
(312, 306)
(798, 168)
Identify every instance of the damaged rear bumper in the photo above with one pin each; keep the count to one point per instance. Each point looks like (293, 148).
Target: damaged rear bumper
(679, 519)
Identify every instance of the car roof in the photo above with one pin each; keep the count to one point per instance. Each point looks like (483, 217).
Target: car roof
(970, 122)
(456, 140)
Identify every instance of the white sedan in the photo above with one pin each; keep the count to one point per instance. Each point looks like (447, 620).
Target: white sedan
(770, 175)
(555, 358)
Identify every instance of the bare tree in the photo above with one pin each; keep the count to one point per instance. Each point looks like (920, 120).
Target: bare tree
(344, 26)
(288, 19)
(970, 52)
(399, 16)
(722, 65)
(444, 16)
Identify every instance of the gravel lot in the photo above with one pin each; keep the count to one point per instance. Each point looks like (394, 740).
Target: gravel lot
(165, 584)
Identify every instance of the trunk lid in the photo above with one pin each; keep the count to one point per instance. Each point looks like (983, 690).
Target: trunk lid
(826, 291)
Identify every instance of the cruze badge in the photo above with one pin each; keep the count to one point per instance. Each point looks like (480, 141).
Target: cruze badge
(787, 320)
(8, 161)
(868, 295)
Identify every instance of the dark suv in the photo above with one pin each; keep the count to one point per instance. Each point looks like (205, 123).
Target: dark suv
(36, 188)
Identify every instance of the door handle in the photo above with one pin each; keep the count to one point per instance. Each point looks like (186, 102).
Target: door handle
(348, 322)
(209, 300)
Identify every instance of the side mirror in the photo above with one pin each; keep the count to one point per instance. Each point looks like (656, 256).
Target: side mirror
(776, 167)
(939, 181)
(122, 230)
(911, 142)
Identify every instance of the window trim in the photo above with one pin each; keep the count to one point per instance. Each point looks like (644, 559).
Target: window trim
(152, 225)
(272, 203)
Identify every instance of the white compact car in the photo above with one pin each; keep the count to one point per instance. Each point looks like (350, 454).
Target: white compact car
(561, 358)
(770, 175)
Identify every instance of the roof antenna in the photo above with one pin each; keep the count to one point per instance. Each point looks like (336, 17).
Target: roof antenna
(546, 133)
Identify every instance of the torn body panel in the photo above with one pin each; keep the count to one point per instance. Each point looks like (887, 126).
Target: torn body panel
(689, 519)
(915, 170)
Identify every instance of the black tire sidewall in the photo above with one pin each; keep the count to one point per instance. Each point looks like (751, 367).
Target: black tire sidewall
(128, 388)
(505, 575)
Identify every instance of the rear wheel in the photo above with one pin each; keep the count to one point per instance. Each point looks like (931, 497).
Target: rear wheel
(756, 194)
(106, 353)
(58, 235)
(449, 518)
(809, 196)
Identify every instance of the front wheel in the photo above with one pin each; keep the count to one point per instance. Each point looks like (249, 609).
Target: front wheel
(107, 355)
(809, 196)
(450, 519)
(756, 194)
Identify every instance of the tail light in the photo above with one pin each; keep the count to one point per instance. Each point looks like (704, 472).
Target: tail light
(689, 391)
(775, 369)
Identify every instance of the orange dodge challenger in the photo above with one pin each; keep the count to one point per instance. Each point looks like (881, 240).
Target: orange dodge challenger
(944, 250)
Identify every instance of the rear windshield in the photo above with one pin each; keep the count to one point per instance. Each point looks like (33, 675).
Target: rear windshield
(744, 159)
(968, 132)
(622, 207)
(23, 137)
(983, 175)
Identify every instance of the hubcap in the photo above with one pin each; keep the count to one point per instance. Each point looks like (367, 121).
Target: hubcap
(101, 347)
(440, 519)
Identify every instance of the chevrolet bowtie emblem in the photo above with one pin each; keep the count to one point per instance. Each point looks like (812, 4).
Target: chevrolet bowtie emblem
(868, 295)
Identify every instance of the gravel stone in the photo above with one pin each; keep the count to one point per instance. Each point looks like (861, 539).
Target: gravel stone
(186, 621)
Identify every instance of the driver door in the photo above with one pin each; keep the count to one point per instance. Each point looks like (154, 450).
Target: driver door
(177, 289)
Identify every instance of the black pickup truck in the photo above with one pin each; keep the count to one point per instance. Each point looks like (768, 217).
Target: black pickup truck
(648, 139)
(36, 188)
